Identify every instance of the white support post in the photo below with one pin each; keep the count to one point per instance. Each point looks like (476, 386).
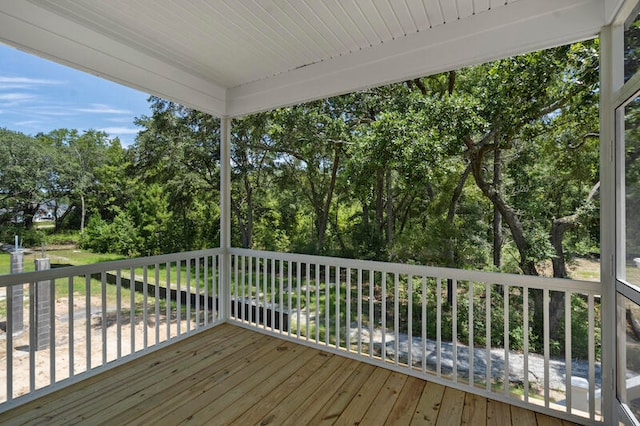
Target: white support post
(225, 218)
(609, 84)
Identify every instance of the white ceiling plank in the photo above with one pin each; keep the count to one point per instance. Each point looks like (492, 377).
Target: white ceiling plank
(480, 6)
(305, 31)
(323, 29)
(389, 16)
(240, 38)
(419, 14)
(333, 25)
(434, 11)
(279, 33)
(308, 18)
(264, 35)
(505, 32)
(286, 20)
(347, 23)
(465, 8)
(105, 20)
(369, 9)
(403, 14)
(358, 18)
(449, 10)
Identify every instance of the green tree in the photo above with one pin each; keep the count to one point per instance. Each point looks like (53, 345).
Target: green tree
(78, 156)
(178, 148)
(24, 170)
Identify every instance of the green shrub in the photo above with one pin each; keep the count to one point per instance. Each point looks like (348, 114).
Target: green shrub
(119, 237)
(26, 237)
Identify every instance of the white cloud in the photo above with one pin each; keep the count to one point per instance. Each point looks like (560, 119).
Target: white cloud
(119, 120)
(103, 109)
(27, 81)
(120, 130)
(15, 86)
(50, 111)
(28, 123)
(16, 97)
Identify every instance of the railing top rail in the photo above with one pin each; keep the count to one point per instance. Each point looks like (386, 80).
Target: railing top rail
(68, 271)
(534, 282)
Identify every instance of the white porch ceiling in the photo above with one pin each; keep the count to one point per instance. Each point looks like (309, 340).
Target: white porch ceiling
(234, 57)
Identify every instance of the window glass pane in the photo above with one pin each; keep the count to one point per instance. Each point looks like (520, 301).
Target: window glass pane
(632, 192)
(631, 47)
(629, 354)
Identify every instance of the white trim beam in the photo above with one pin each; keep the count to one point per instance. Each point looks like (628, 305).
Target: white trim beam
(517, 28)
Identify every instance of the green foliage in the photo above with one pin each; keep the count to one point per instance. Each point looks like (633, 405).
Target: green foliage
(119, 236)
(24, 168)
(26, 237)
(150, 216)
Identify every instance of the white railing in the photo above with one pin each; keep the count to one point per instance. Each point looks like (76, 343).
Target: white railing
(461, 328)
(92, 320)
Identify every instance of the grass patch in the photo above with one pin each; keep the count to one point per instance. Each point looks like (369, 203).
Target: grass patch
(62, 237)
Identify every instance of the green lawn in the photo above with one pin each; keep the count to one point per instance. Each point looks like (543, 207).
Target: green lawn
(79, 284)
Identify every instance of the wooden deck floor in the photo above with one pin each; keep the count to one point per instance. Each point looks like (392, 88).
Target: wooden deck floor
(230, 375)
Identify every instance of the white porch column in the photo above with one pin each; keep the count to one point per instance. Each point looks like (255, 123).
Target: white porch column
(610, 76)
(225, 217)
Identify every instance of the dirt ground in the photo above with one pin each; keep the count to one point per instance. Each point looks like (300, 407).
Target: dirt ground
(78, 326)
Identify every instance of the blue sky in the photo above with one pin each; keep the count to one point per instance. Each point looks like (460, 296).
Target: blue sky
(37, 95)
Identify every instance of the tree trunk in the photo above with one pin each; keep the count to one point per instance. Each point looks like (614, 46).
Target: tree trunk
(56, 222)
(365, 213)
(241, 226)
(457, 192)
(556, 314)
(61, 219)
(497, 217)
(389, 232)
(343, 247)
(379, 200)
(526, 264)
(83, 213)
(451, 214)
(558, 228)
(249, 230)
(323, 218)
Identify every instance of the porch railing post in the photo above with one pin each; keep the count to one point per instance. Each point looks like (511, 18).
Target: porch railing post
(225, 217)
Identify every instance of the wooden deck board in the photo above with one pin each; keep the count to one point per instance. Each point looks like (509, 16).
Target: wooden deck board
(201, 378)
(77, 395)
(429, 405)
(524, 417)
(498, 413)
(403, 409)
(362, 400)
(451, 408)
(231, 375)
(333, 408)
(475, 410)
(335, 372)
